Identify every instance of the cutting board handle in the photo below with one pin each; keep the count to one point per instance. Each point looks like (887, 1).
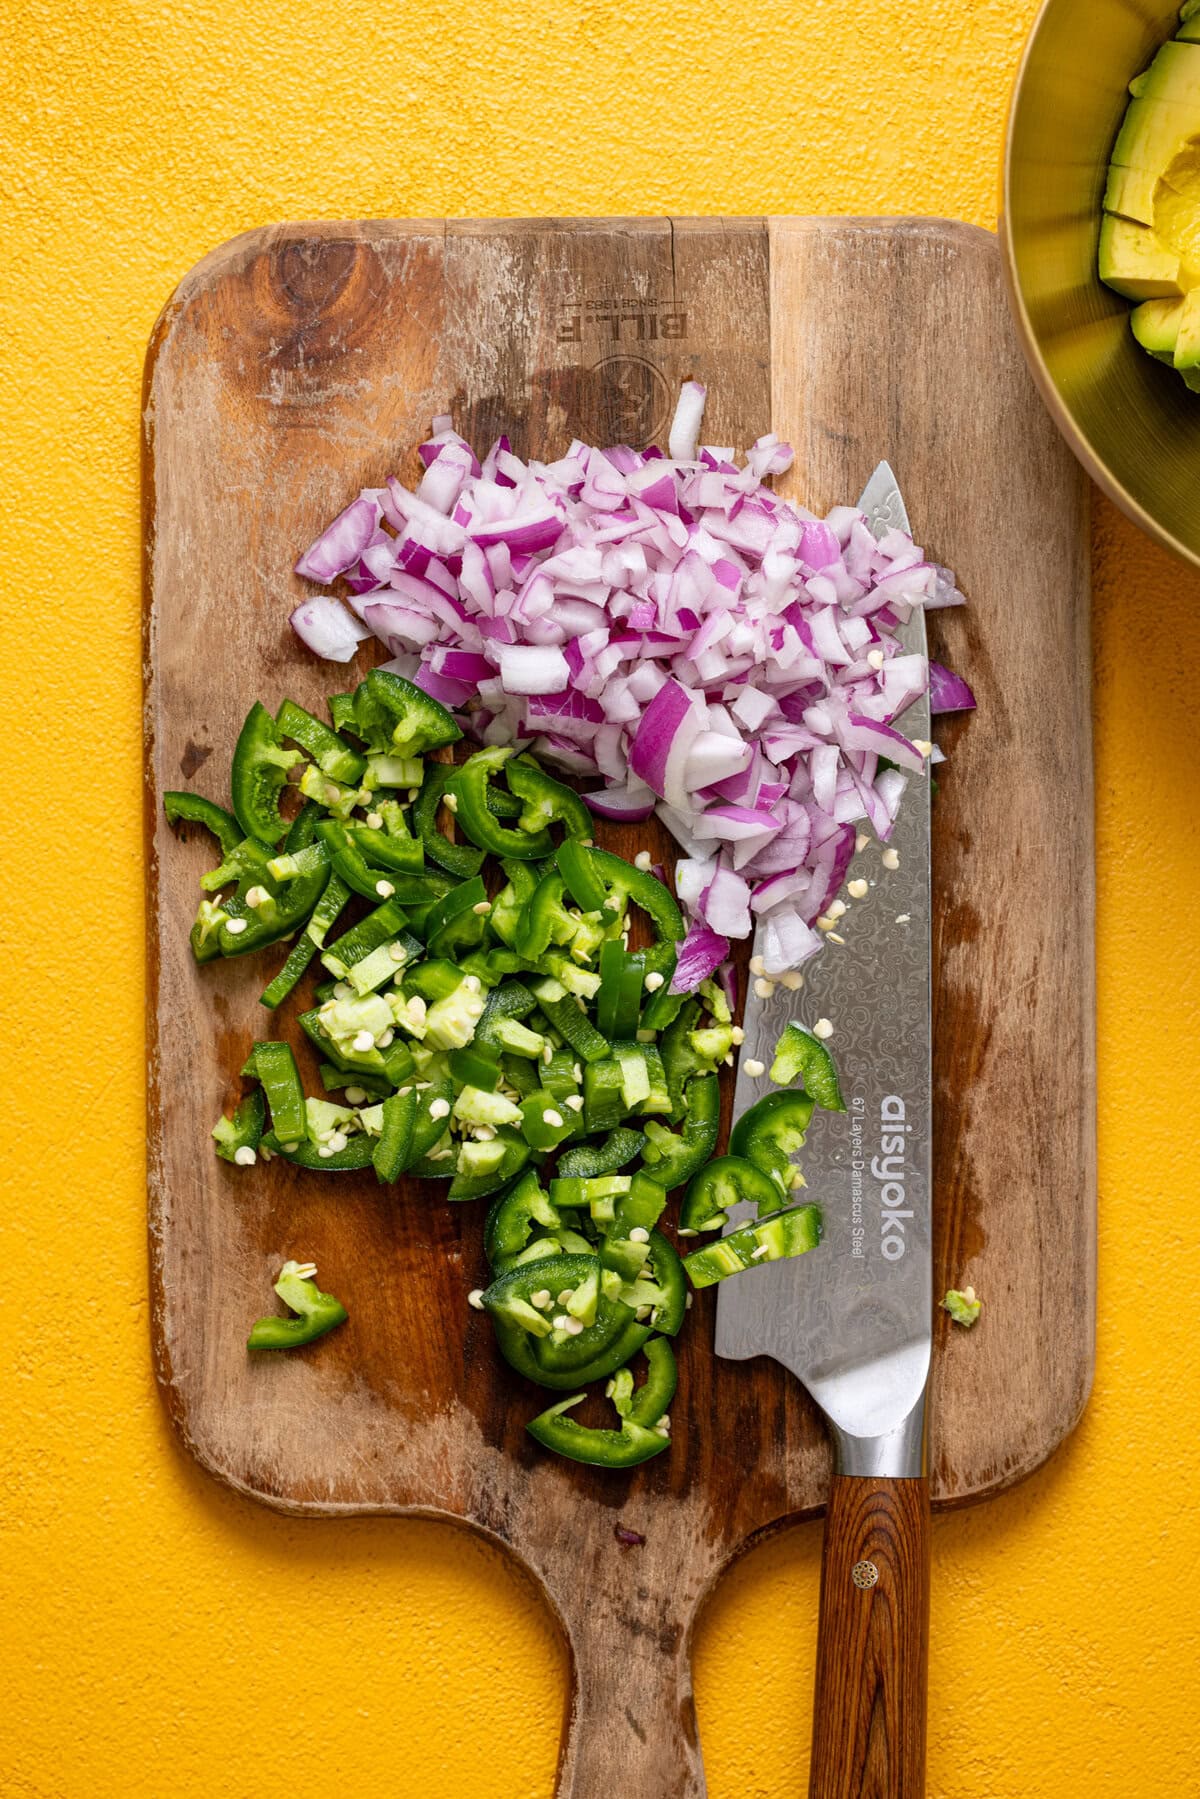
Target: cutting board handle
(872, 1641)
(631, 1727)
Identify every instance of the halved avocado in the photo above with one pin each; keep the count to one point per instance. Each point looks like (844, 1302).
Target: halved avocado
(1135, 261)
(1156, 326)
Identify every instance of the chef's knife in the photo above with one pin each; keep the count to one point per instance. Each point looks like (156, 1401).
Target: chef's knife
(852, 1319)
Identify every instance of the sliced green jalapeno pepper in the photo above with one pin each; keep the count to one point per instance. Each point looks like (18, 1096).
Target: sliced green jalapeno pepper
(457, 922)
(545, 919)
(332, 755)
(303, 828)
(192, 808)
(307, 1154)
(294, 865)
(646, 1404)
(670, 1305)
(517, 1039)
(545, 1120)
(417, 722)
(372, 722)
(546, 801)
(659, 1097)
(802, 1057)
(550, 1354)
(247, 860)
(350, 862)
(644, 889)
(394, 1064)
(384, 849)
(338, 1080)
(520, 1074)
(341, 711)
(429, 1123)
(510, 1000)
(511, 1219)
(514, 1157)
(330, 795)
(242, 1134)
(712, 1192)
(603, 1095)
(509, 905)
(617, 1202)
(393, 1146)
(387, 770)
(273, 1066)
(591, 1159)
(384, 925)
(791, 1231)
(578, 870)
(619, 1001)
(468, 789)
(264, 910)
(573, 1025)
(260, 765)
(672, 1157)
(662, 1007)
(461, 859)
(624, 1448)
(474, 1067)
(772, 1132)
(248, 928)
(558, 1077)
(316, 1312)
(503, 804)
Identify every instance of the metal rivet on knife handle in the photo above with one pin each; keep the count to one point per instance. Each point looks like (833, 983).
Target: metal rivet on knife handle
(864, 1574)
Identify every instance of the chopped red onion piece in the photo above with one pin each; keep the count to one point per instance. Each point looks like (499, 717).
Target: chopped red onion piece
(685, 426)
(700, 954)
(340, 543)
(948, 692)
(325, 627)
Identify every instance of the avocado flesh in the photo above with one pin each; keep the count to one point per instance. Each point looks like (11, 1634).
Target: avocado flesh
(1187, 341)
(1135, 262)
(1173, 76)
(1154, 132)
(1177, 209)
(1156, 326)
(1149, 248)
(1129, 193)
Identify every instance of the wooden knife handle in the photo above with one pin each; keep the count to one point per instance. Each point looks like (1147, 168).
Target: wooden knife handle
(872, 1641)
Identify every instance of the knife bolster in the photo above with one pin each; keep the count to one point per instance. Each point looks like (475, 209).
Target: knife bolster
(896, 1455)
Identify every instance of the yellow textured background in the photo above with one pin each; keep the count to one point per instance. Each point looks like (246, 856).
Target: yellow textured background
(158, 1635)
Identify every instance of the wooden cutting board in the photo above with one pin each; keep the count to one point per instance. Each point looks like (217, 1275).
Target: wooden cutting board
(302, 362)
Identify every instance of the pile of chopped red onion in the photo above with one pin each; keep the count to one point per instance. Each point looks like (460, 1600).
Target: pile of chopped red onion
(669, 626)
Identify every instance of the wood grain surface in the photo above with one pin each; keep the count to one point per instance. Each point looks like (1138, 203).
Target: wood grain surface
(300, 363)
(872, 1642)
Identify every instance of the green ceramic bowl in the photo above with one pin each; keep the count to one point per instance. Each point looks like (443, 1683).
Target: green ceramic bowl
(1130, 420)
